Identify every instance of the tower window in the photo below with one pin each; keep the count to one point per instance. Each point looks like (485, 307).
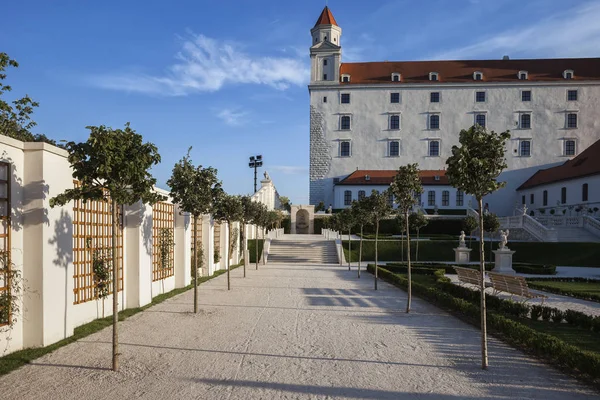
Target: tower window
(569, 148)
(394, 148)
(434, 121)
(434, 148)
(526, 95)
(525, 148)
(345, 98)
(480, 120)
(325, 99)
(480, 97)
(434, 97)
(394, 97)
(325, 63)
(345, 149)
(572, 95)
(525, 121)
(572, 120)
(394, 122)
(324, 77)
(345, 122)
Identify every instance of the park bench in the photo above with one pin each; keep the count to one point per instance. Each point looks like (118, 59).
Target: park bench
(468, 275)
(515, 285)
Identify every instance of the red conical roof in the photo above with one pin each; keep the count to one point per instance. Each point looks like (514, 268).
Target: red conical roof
(326, 18)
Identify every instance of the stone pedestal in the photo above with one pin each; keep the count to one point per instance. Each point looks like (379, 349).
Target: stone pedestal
(462, 255)
(504, 261)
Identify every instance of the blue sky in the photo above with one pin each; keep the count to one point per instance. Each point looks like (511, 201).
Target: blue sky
(230, 77)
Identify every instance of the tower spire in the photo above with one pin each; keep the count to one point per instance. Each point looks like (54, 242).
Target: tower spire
(326, 18)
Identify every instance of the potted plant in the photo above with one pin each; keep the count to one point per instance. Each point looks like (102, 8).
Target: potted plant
(552, 211)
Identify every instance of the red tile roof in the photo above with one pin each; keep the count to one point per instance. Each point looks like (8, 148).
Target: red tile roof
(326, 18)
(385, 177)
(585, 164)
(462, 71)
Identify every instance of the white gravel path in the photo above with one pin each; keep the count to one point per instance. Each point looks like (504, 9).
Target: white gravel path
(291, 332)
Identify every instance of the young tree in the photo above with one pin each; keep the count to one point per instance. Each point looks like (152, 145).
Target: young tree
(193, 189)
(251, 208)
(346, 221)
(406, 187)
(260, 220)
(402, 227)
(115, 162)
(228, 209)
(417, 221)
(491, 224)
(469, 224)
(286, 204)
(361, 216)
(474, 168)
(378, 208)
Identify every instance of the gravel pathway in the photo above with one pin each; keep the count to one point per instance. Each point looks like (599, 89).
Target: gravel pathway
(290, 332)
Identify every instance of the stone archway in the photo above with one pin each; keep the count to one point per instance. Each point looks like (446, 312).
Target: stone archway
(302, 222)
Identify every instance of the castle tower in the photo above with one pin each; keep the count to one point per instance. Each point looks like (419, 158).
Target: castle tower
(326, 50)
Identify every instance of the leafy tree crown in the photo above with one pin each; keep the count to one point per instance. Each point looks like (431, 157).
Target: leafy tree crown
(228, 208)
(474, 166)
(406, 187)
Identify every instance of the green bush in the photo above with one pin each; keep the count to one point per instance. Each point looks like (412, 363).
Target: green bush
(286, 224)
(546, 313)
(557, 315)
(319, 223)
(536, 312)
(252, 249)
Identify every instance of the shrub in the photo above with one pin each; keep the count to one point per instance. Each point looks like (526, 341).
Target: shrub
(546, 313)
(596, 324)
(536, 312)
(535, 269)
(579, 319)
(557, 315)
(518, 310)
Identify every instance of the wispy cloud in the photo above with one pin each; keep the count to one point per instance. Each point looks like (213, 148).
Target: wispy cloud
(289, 169)
(572, 32)
(206, 65)
(232, 117)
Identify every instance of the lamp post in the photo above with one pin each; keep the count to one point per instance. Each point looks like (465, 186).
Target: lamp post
(255, 162)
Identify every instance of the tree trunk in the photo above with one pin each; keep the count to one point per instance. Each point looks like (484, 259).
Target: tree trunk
(349, 249)
(417, 250)
(484, 349)
(263, 249)
(256, 245)
(401, 246)
(115, 282)
(360, 250)
(228, 255)
(245, 247)
(376, 237)
(491, 237)
(409, 266)
(195, 265)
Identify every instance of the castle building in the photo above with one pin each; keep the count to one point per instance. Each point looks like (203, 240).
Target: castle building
(377, 116)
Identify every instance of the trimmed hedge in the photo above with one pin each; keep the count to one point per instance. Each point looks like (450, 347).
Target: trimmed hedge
(252, 249)
(543, 345)
(286, 224)
(319, 223)
(584, 296)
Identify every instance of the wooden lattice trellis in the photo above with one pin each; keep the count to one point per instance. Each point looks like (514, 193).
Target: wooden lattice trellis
(163, 238)
(217, 239)
(198, 238)
(92, 233)
(5, 233)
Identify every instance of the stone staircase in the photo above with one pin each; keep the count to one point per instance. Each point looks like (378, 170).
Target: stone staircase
(576, 235)
(302, 249)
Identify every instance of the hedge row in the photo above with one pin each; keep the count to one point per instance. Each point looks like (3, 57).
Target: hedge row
(565, 292)
(533, 269)
(543, 345)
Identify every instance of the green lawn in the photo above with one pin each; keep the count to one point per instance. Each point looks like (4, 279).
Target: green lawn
(582, 290)
(575, 254)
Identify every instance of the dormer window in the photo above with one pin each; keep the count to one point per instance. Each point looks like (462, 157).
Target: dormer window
(367, 178)
(568, 74)
(434, 76)
(396, 77)
(437, 177)
(523, 75)
(477, 76)
(346, 78)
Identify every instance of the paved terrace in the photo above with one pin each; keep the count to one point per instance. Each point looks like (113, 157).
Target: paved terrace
(291, 332)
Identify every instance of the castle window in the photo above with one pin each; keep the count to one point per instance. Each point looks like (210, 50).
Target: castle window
(345, 78)
(324, 77)
(568, 74)
(572, 120)
(563, 195)
(545, 198)
(394, 148)
(523, 75)
(396, 77)
(460, 198)
(480, 97)
(434, 148)
(526, 95)
(445, 198)
(525, 148)
(345, 98)
(345, 122)
(347, 197)
(431, 198)
(434, 121)
(572, 95)
(531, 198)
(325, 63)
(434, 97)
(480, 120)
(434, 76)
(525, 121)
(569, 148)
(325, 99)
(477, 76)
(395, 122)
(584, 192)
(345, 149)
(394, 97)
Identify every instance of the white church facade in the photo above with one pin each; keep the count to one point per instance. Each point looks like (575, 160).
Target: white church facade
(377, 116)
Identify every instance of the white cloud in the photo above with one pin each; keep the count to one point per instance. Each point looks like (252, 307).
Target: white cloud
(232, 117)
(206, 65)
(289, 169)
(573, 32)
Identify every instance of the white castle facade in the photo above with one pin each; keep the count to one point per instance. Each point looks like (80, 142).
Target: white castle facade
(381, 115)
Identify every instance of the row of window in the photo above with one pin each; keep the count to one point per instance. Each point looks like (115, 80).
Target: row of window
(563, 195)
(480, 97)
(435, 76)
(524, 122)
(431, 198)
(433, 148)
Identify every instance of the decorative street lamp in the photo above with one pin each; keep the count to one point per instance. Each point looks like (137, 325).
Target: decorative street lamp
(255, 162)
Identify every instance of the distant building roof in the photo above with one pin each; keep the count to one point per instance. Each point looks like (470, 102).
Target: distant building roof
(585, 164)
(385, 177)
(543, 70)
(326, 18)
